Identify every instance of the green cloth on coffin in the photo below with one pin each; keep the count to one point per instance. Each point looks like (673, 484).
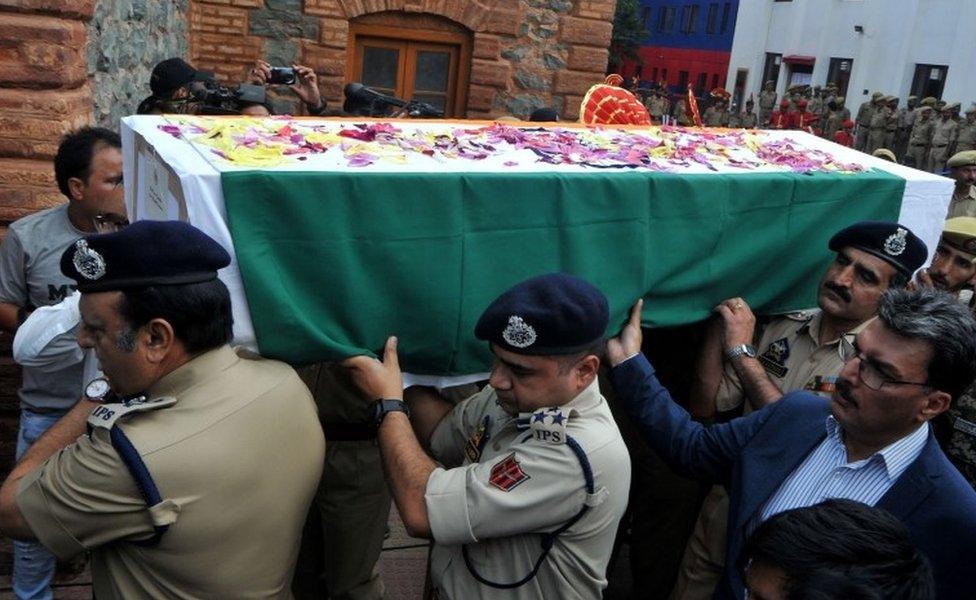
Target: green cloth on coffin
(334, 262)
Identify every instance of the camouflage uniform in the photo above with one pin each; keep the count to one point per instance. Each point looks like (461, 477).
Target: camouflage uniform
(960, 446)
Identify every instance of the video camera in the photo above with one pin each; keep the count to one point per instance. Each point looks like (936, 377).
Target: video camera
(365, 102)
(211, 98)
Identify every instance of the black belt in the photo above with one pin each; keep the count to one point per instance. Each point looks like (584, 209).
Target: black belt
(940, 145)
(348, 432)
(919, 145)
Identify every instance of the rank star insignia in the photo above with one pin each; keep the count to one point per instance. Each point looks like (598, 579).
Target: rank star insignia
(507, 474)
(896, 243)
(518, 333)
(88, 262)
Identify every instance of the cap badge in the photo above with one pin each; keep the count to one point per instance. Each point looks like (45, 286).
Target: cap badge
(896, 244)
(88, 262)
(518, 333)
(970, 245)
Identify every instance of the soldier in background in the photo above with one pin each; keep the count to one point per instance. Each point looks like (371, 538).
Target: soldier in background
(920, 139)
(966, 139)
(748, 118)
(943, 138)
(833, 121)
(780, 119)
(905, 119)
(767, 102)
(877, 126)
(863, 121)
(891, 124)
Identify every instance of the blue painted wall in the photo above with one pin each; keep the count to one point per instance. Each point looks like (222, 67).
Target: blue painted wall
(675, 32)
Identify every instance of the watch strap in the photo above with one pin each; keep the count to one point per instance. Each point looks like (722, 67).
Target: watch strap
(385, 406)
(741, 350)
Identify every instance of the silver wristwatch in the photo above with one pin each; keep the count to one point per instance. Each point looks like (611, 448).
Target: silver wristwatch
(741, 350)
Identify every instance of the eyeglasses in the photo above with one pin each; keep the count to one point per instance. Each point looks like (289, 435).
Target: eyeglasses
(867, 370)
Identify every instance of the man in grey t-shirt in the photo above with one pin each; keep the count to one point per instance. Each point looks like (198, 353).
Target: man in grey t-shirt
(88, 168)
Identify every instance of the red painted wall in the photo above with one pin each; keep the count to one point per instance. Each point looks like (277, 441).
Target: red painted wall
(676, 60)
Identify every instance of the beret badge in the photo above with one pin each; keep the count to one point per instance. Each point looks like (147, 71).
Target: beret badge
(970, 245)
(896, 243)
(518, 333)
(88, 262)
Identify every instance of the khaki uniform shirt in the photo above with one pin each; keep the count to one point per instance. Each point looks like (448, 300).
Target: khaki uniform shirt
(961, 445)
(944, 132)
(864, 113)
(963, 205)
(515, 483)
(966, 139)
(922, 133)
(235, 448)
(793, 357)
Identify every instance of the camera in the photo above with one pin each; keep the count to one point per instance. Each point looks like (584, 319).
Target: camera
(212, 98)
(282, 75)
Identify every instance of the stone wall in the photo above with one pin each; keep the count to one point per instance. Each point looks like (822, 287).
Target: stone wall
(126, 38)
(526, 53)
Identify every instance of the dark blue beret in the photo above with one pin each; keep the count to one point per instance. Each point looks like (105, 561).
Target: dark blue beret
(546, 315)
(143, 254)
(891, 242)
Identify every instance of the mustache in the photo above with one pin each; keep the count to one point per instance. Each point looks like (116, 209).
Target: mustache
(843, 292)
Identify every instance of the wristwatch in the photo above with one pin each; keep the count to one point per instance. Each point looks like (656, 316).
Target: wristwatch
(741, 350)
(383, 407)
(98, 390)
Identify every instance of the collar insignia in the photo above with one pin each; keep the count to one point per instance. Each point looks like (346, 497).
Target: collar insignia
(518, 333)
(896, 244)
(88, 262)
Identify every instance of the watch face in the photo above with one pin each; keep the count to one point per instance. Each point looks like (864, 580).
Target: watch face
(97, 389)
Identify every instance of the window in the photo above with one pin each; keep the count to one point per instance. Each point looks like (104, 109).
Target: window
(771, 70)
(682, 81)
(711, 23)
(645, 16)
(664, 74)
(654, 74)
(702, 82)
(413, 64)
(689, 18)
(665, 22)
(714, 80)
(726, 16)
(929, 80)
(839, 73)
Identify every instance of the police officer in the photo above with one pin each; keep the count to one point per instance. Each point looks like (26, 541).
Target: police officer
(863, 120)
(767, 102)
(962, 168)
(794, 352)
(954, 263)
(906, 118)
(188, 470)
(535, 475)
(966, 139)
(920, 139)
(944, 135)
(878, 124)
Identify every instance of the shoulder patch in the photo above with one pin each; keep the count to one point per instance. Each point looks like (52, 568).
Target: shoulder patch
(507, 474)
(549, 425)
(105, 415)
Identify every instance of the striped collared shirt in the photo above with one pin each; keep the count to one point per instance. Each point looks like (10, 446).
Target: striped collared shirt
(825, 473)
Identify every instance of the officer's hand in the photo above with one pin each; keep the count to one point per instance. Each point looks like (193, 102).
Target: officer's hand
(628, 342)
(739, 324)
(378, 379)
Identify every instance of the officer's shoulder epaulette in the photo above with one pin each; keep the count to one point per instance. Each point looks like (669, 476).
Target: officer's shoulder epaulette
(106, 415)
(549, 425)
(801, 316)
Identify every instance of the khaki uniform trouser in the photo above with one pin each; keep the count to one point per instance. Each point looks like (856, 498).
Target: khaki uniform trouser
(937, 159)
(704, 560)
(861, 137)
(919, 155)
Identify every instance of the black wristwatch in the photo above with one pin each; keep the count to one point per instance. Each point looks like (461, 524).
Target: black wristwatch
(383, 407)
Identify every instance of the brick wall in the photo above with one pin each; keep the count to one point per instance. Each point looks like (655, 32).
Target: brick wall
(525, 53)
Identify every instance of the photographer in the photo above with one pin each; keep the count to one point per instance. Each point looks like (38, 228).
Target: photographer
(300, 79)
